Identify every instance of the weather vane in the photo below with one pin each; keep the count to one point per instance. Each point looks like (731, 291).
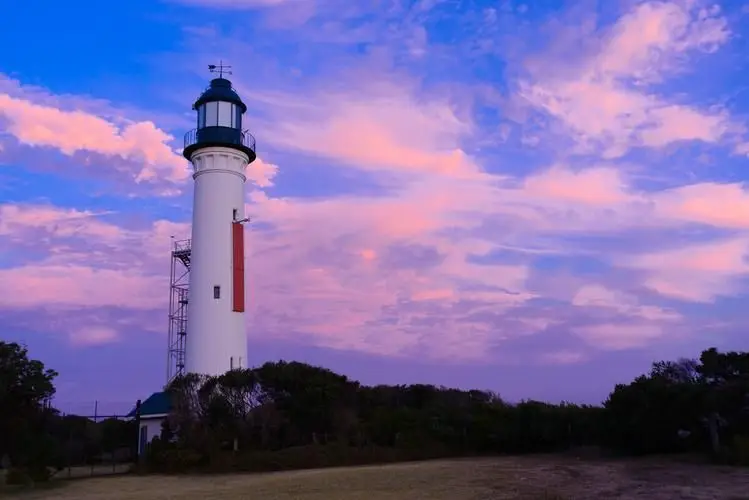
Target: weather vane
(220, 69)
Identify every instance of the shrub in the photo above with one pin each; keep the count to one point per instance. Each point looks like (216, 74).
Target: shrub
(17, 476)
(180, 460)
(740, 450)
(175, 461)
(24, 476)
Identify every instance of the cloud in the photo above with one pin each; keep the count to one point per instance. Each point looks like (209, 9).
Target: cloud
(722, 205)
(74, 131)
(380, 126)
(93, 335)
(370, 265)
(383, 274)
(453, 255)
(620, 303)
(16, 220)
(593, 186)
(649, 39)
(242, 4)
(71, 286)
(261, 173)
(617, 336)
(77, 124)
(607, 199)
(700, 272)
(607, 105)
(562, 357)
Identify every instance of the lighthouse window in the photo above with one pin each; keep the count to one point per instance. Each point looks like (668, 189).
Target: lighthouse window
(224, 114)
(201, 116)
(216, 292)
(237, 117)
(211, 114)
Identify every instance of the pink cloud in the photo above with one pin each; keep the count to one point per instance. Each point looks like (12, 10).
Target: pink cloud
(72, 124)
(562, 357)
(606, 199)
(261, 173)
(647, 39)
(341, 283)
(347, 289)
(72, 131)
(242, 4)
(606, 104)
(357, 233)
(616, 336)
(380, 126)
(722, 205)
(72, 286)
(621, 303)
(93, 335)
(327, 267)
(700, 272)
(593, 186)
(16, 219)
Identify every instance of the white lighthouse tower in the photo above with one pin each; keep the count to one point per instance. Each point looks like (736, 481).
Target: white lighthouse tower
(219, 151)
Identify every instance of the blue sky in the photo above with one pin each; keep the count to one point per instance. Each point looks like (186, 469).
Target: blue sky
(501, 195)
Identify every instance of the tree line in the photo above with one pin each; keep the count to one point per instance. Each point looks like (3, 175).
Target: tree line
(37, 440)
(289, 415)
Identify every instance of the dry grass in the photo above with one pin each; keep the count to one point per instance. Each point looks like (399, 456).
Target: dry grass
(90, 471)
(491, 478)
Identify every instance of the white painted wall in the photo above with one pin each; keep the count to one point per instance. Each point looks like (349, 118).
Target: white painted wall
(215, 333)
(153, 429)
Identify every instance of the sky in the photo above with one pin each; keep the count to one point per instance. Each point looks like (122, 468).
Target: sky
(536, 198)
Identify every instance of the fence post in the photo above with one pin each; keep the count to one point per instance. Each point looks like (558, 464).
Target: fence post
(114, 449)
(137, 431)
(69, 451)
(94, 433)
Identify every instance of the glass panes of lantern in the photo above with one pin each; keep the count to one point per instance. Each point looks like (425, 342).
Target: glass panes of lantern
(211, 114)
(219, 114)
(224, 114)
(201, 116)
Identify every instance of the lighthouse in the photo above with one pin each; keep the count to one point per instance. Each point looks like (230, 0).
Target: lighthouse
(219, 151)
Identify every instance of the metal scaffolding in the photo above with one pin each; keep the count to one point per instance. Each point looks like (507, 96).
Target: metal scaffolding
(179, 284)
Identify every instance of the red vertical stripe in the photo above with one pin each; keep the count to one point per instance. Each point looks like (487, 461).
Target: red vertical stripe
(237, 233)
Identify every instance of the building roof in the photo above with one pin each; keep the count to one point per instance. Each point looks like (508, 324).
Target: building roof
(157, 403)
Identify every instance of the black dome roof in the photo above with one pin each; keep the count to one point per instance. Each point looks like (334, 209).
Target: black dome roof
(220, 90)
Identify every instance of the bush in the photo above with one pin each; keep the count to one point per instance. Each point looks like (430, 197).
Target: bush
(22, 476)
(179, 460)
(174, 461)
(740, 450)
(308, 457)
(17, 476)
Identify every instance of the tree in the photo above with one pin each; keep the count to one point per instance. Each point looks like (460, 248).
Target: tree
(312, 416)
(25, 388)
(726, 377)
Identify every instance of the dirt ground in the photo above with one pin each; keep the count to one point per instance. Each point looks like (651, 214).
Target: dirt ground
(528, 478)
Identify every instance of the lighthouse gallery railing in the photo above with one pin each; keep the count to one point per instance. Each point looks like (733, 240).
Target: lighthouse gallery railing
(225, 135)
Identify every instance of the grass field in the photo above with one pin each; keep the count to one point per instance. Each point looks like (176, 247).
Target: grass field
(89, 471)
(491, 478)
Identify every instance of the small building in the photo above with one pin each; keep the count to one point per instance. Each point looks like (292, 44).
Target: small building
(153, 412)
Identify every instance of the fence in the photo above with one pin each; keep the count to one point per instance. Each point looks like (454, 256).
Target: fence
(101, 443)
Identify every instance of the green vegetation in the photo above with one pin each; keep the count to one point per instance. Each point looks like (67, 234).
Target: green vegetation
(288, 415)
(292, 415)
(36, 441)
